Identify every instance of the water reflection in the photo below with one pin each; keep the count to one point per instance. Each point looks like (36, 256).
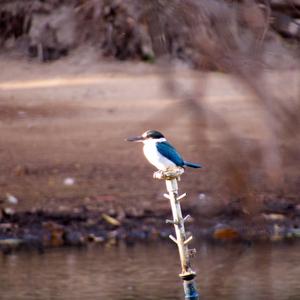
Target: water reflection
(149, 272)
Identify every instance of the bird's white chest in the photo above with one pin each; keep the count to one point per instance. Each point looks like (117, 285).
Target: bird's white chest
(154, 157)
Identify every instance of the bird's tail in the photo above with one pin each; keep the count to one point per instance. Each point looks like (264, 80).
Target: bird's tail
(192, 165)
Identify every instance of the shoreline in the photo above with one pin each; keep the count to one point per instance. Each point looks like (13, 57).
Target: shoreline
(42, 230)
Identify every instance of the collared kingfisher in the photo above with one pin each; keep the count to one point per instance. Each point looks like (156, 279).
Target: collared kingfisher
(159, 152)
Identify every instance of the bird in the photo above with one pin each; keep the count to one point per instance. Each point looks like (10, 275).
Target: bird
(159, 152)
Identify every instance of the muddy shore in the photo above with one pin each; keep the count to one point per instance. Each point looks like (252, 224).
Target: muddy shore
(43, 229)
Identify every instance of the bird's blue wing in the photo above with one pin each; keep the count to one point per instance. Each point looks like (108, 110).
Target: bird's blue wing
(168, 151)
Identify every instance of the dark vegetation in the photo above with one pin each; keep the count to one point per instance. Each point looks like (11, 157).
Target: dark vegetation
(146, 29)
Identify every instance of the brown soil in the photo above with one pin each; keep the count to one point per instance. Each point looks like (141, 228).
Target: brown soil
(69, 119)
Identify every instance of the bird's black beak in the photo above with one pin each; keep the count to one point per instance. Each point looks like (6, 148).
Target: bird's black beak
(135, 139)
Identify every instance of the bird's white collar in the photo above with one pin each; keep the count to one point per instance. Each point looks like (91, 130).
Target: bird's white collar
(154, 141)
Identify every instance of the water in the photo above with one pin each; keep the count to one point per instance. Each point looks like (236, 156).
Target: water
(149, 272)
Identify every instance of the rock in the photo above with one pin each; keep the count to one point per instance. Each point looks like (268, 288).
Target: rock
(8, 211)
(63, 209)
(111, 242)
(8, 245)
(111, 220)
(11, 199)
(225, 233)
(201, 196)
(274, 217)
(296, 232)
(11, 242)
(113, 237)
(96, 239)
(73, 238)
(278, 233)
(113, 234)
(55, 235)
(69, 181)
(7, 226)
(31, 240)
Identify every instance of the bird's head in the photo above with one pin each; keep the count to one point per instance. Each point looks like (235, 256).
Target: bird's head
(147, 135)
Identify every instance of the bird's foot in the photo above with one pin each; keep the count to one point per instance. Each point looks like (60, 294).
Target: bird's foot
(158, 174)
(169, 174)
